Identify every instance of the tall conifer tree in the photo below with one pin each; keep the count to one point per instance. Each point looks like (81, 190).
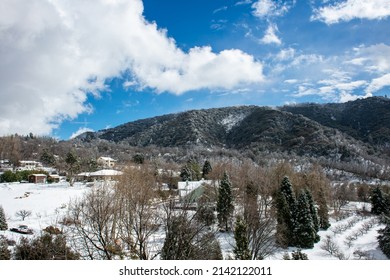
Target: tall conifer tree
(225, 205)
(3, 220)
(304, 231)
(241, 249)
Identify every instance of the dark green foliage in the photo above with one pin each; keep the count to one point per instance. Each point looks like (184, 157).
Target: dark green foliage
(296, 255)
(379, 204)
(18, 176)
(191, 171)
(45, 247)
(287, 191)
(186, 240)
(72, 162)
(139, 158)
(384, 237)
(3, 220)
(48, 158)
(206, 169)
(9, 176)
(304, 231)
(225, 205)
(241, 249)
(323, 211)
(286, 208)
(314, 215)
(297, 219)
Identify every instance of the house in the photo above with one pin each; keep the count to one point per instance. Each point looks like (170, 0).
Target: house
(37, 178)
(29, 165)
(105, 174)
(106, 162)
(5, 164)
(187, 187)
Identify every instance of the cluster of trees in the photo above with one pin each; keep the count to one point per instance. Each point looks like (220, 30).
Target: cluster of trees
(297, 218)
(192, 171)
(127, 219)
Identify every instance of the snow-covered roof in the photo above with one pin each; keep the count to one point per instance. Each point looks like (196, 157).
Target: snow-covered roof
(104, 172)
(107, 159)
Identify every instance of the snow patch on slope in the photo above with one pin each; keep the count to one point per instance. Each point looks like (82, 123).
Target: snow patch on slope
(232, 120)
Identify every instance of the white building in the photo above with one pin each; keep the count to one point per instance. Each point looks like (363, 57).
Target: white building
(30, 165)
(106, 162)
(188, 186)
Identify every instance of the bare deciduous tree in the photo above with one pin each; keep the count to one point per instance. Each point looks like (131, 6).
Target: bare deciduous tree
(94, 229)
(136, 193)
(23, 214)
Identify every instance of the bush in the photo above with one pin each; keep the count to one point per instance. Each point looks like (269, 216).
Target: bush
(45, 247)
(5, 253)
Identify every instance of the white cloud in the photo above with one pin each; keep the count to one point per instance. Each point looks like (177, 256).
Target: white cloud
(375, 58)
(270, 36)
(353, 9)
(243, 2)
(55, 53)
(80, 131)
(268, 8)
(378, 84)
(345, 97)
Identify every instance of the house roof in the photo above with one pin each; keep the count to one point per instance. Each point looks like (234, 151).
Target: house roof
(104, 172)
(107, 159)
(39, 175)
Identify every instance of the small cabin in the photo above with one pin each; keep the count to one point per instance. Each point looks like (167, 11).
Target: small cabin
(37, 178)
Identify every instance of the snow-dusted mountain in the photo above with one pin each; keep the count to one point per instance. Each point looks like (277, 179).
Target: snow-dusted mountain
(331, 130)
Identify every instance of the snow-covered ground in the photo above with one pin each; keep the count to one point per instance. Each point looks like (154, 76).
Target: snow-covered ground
(48, 203)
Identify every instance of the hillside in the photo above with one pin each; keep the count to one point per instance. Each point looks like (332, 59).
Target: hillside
(367, 120)
(338, 131)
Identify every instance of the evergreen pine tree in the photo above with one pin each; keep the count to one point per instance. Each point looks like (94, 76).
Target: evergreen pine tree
(314, 215)
(304, 231)
(3, 220)
(283, 216)
(286, 209)
(191, 171)
(185, 174)
(384, 237)
(287, 190)
(378, 202)
(206, 169)
(323, 211)
(225, 205)
(241, 249)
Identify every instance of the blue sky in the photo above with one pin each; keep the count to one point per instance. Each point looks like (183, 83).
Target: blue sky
(68, 66)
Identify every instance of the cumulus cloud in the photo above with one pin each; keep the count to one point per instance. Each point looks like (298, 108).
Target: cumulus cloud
(353, 9)
(54, 54)
(270, 36)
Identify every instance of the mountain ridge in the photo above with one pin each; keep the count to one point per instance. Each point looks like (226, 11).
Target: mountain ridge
(335, 130)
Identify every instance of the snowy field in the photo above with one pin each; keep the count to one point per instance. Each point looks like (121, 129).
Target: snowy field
(47, 203)
(354, 237)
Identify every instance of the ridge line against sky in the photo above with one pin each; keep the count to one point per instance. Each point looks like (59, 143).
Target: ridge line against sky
(69, 66)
